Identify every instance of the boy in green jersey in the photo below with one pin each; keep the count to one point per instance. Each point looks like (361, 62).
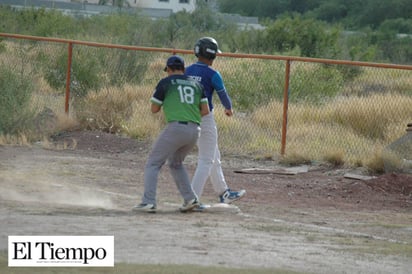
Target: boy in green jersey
(184, 103)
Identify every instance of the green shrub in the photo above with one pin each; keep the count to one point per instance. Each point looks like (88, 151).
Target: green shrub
(314, 38)
(15, 93)
(129, 66)
(349, 73)
(312, 83)
(84, 72)
(251, 83)
(39, 22)
(94, 68)
(315, 83)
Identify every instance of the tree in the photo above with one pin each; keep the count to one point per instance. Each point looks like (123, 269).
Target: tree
(242, 7)
(204, 19)
(396, 26)
(302, 6)
(311, 36)
(377, 11)
(331, 11)
(266, 8)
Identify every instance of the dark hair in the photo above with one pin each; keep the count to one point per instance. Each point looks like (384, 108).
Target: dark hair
(177, 67)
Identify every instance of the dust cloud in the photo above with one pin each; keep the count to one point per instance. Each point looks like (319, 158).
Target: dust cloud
(20, 186)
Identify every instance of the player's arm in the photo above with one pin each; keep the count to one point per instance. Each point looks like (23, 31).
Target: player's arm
(224, 97)
(204, 102)
(229, 112)
(204, 108)
(157, 98)
(156, 104)
(155, 108)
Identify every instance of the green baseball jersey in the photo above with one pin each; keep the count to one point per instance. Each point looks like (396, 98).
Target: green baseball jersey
(180, 97)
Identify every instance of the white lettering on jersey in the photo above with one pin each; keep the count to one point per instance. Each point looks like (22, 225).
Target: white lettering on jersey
(197, 78)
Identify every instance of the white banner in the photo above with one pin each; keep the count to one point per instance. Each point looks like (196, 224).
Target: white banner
(65, 251)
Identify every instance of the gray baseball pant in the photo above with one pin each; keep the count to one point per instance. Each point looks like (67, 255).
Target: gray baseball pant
(173, 144)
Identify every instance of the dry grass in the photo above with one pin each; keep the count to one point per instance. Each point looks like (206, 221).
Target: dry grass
(375, 162)
(353, 127)
(294, 158)
(268, 116)
(107, 109)
(373, 80)
(20, 140)
(346, 131)
(141, 123)
(349, 130)
(371, 116)
(66, 122)
(334, 157)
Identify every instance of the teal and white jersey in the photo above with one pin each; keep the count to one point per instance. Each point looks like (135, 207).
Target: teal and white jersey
(180, 97)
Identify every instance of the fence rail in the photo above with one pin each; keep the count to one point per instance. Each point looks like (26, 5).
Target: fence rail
(320, 105)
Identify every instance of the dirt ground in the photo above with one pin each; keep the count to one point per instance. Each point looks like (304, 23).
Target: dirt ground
(317, 221)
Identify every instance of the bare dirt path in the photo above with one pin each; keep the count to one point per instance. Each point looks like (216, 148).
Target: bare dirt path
(317, 221)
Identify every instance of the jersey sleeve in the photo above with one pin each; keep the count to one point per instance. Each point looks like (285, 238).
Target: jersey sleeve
(220, 88)
(159, 94)
(203, 98)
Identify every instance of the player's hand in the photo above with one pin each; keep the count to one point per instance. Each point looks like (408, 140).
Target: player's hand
(228, 112)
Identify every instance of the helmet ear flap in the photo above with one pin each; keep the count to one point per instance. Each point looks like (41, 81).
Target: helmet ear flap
(197, 50)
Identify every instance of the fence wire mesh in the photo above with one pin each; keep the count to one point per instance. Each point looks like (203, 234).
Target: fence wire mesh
(342, 111)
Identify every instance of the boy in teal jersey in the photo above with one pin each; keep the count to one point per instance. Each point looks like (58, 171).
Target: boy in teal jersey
(184, 103)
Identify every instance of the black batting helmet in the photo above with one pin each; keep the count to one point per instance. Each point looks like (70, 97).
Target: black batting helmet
(207, 47)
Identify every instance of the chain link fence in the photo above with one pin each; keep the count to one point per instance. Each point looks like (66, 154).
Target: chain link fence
(336, 110)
